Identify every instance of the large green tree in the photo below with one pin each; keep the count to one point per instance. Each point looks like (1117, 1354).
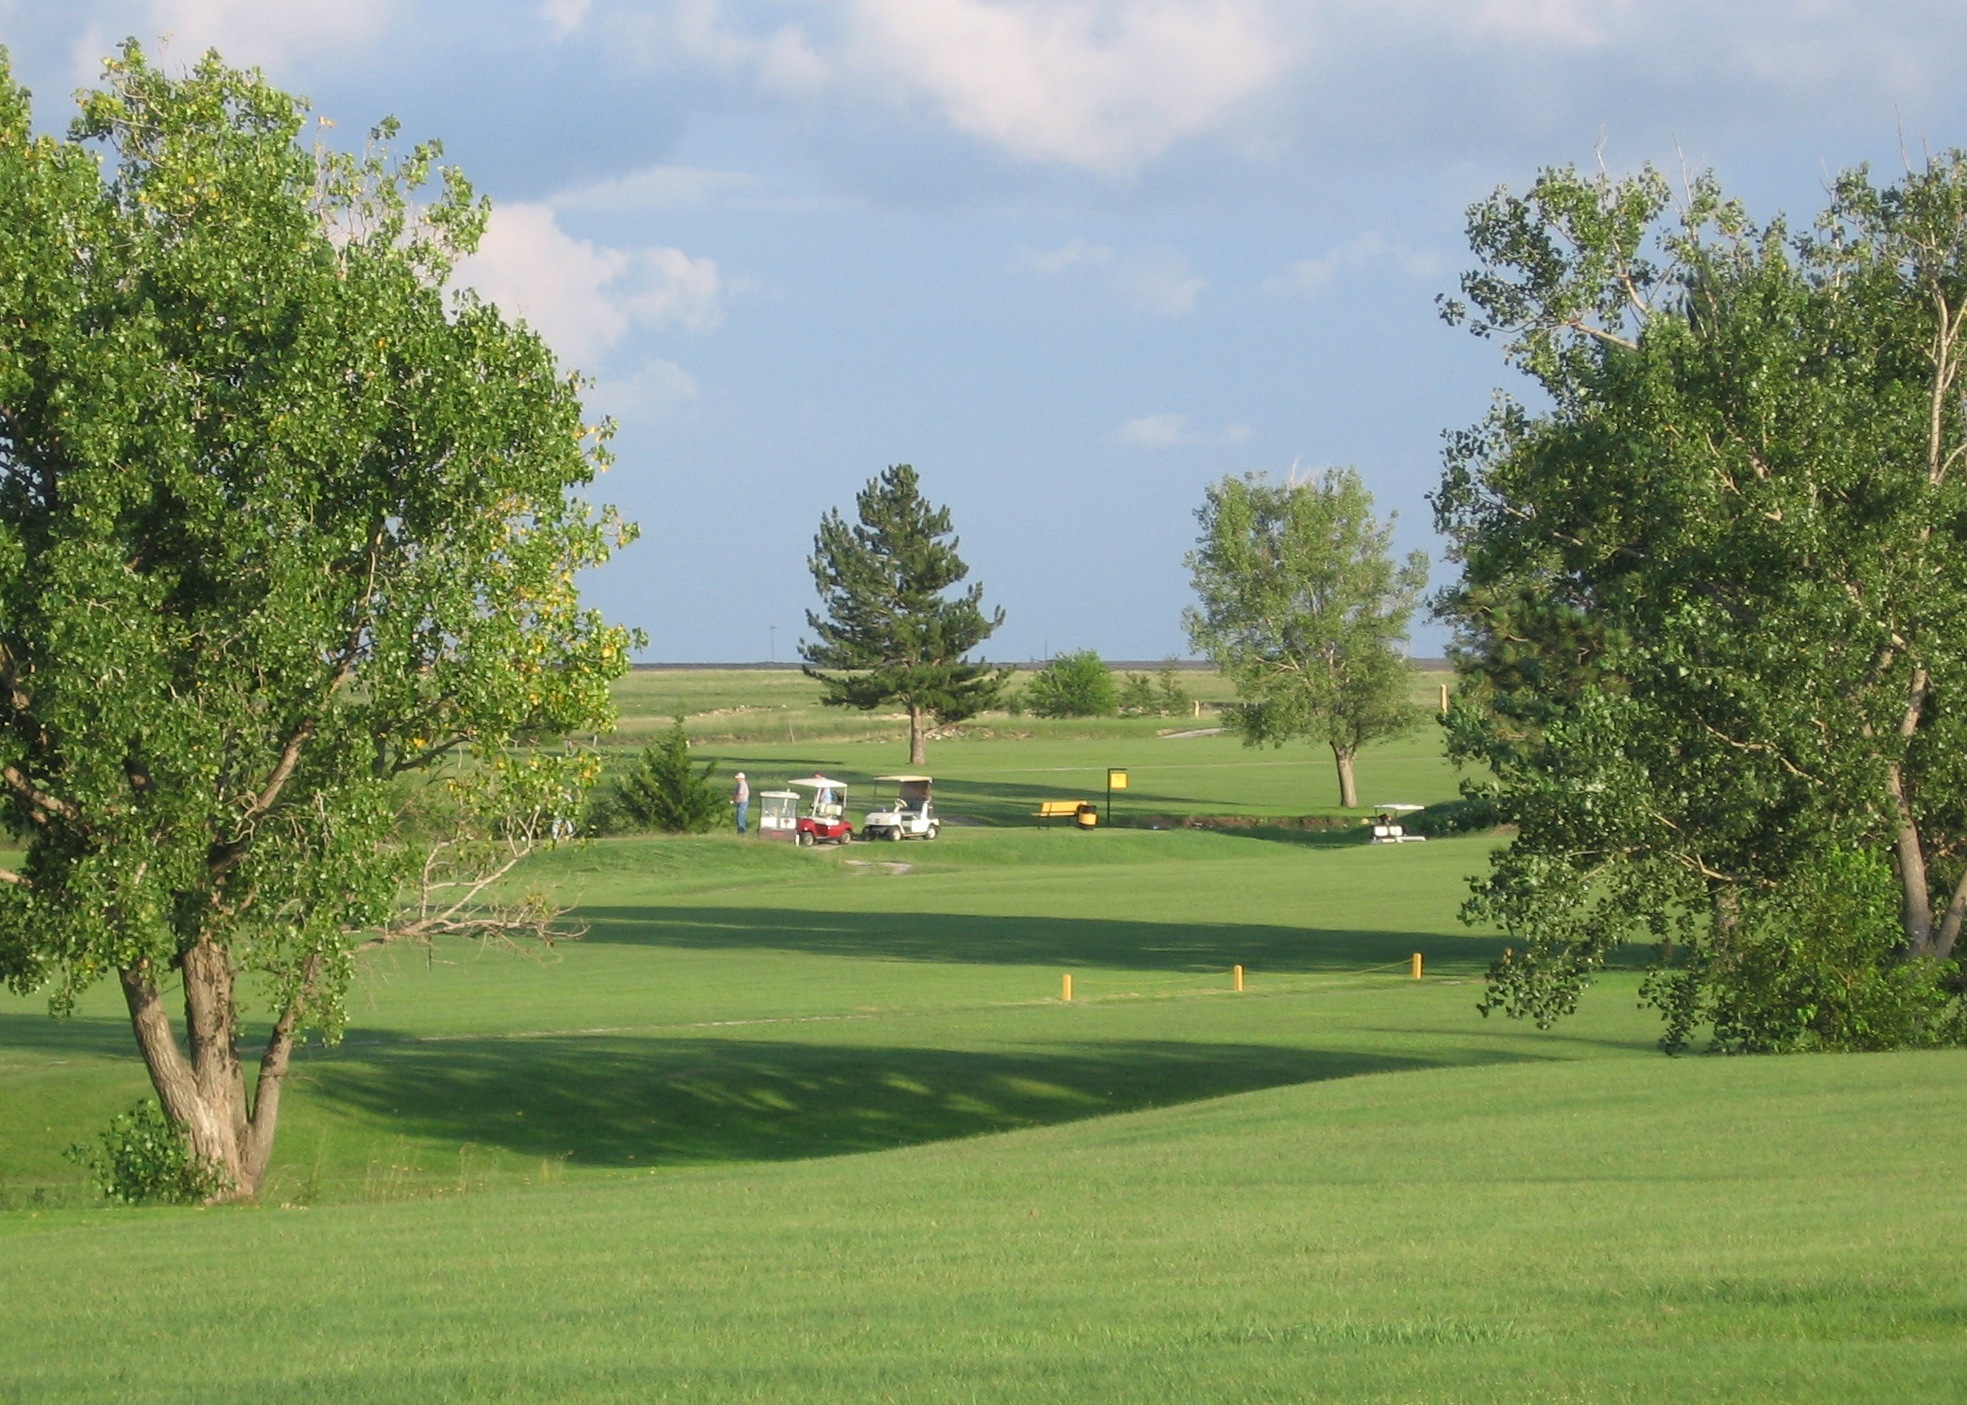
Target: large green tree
(888, 632)
(283, 527)
(1302, 606)
(1712, 620)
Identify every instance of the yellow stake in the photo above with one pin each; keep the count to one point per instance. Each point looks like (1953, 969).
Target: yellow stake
(1417, 965)
(1237, 973)
(1067, 996)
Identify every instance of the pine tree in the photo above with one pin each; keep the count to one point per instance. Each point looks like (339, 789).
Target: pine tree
(666, 792)
(888, 634)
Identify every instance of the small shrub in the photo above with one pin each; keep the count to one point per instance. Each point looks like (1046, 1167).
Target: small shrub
(144, 1159)
(664, 791)
(1078, 684)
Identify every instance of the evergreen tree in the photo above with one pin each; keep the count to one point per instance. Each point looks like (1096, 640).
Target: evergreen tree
(889, 634)
(666, 792)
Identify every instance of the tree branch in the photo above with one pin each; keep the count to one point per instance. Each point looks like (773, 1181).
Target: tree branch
(41, 804)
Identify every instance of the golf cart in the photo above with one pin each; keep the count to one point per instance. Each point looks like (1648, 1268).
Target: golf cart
(778, 815)
(824, 817)
(1387, 828)
(908, 816)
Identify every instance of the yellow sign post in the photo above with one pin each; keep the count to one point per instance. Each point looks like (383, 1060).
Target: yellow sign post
(1116, 779)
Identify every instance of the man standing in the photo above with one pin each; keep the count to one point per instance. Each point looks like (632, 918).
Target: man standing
(742, 800)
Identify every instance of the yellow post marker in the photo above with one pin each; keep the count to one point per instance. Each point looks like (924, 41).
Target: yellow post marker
(1066, 988)
(1236, 974)
(1444, 697)
(1417, 965)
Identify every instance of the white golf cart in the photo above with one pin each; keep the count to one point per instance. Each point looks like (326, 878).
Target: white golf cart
(1387, 828)
(778, 815)
(910, 815)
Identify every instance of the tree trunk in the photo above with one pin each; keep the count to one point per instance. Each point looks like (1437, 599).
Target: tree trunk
(918, 748)
(1908, 855)
(205, 1093)
(1348, 789)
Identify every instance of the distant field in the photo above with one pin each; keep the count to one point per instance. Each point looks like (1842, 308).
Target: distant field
(782, 705)
(797, 1125)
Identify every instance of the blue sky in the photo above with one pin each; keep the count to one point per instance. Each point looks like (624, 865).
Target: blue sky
(1073, 259)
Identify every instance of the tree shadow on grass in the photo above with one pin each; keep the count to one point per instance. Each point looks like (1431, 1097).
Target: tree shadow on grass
(613, 1101)
(1034, 941)
(73, 1036)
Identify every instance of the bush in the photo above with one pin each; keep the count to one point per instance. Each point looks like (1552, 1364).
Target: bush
(1078, 684)
(144, 1159)
(1816, 965)
(664, 791)
(1447, 817)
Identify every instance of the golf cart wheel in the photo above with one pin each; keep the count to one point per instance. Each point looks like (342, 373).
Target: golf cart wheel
(895, 832)
(933, 831)
(847, 836)
(802, 837)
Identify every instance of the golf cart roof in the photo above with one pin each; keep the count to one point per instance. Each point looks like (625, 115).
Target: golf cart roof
(818, 783)
(778, 795)
(1400, 809)
(924, 779)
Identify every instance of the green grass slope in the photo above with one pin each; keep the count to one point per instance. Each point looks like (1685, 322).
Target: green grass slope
(1774, 1230)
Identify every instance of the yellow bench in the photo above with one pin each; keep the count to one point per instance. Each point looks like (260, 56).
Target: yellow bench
(1084, 813)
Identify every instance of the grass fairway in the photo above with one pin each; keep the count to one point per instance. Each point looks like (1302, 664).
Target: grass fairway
(795, 1125)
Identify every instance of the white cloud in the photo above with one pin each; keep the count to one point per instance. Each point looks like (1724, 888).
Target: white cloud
(782, 60)
(1169, 431)
(1104, 85)
(1074, 253)
(1157, 282)
(563, 17)
(656, 188)
(259, 32)
(1315, 277)
(654, 391)
(1092, 83)
(582, 297)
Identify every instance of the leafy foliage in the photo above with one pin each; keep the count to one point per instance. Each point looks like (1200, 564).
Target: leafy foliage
(1710, 622)
(1810, 966)
(144, 1158)
(887, 633)
(1078, 684)
(665, 791)
(282, 526)
(1302, 607)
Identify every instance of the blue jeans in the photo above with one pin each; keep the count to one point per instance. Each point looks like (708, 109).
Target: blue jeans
(743, 805)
